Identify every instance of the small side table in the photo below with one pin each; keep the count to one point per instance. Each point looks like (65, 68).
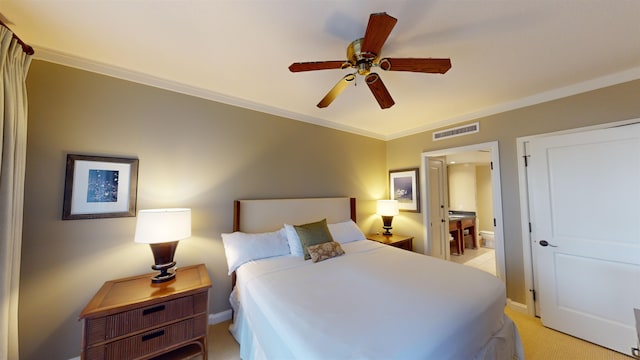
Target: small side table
(133, 318)
(399, 241)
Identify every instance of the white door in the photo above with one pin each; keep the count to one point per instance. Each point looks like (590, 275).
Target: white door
(438, 236)
(585, 202)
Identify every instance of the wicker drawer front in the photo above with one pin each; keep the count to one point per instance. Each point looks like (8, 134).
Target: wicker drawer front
(201, 303)
(123, 323)
(151, 341)
(127, 322)
(95, 330)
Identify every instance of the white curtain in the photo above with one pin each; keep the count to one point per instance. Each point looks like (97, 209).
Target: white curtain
(14, 64)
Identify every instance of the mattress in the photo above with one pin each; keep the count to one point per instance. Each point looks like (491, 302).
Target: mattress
(373, 302)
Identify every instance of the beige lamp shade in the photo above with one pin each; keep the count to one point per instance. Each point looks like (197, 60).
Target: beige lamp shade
(388, 207)
(163, 225)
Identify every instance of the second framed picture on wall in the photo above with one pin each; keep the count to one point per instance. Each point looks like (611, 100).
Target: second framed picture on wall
(404, 186)
(99, 187)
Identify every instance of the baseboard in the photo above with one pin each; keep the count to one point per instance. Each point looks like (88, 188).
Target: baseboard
(516, 306)
(220, 317)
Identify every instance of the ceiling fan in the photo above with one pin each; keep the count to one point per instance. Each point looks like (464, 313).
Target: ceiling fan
(364, 54)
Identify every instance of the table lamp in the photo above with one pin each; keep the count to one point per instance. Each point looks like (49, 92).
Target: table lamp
(387, 209)
(162, 229)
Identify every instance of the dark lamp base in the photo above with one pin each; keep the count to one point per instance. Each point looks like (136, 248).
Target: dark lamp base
(386, 224)
(163, 257)
(163, 276)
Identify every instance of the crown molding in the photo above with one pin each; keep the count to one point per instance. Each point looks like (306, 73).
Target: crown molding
(165, 84)
(146, 79)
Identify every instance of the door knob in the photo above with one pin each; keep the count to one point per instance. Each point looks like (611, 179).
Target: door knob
(546, 243)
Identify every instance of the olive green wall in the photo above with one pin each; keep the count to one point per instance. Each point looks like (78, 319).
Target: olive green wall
(615, 103)
(193, 153)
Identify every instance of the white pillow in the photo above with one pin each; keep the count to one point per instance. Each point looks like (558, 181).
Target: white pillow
(294, 241)
(242, 247)
(345, 232)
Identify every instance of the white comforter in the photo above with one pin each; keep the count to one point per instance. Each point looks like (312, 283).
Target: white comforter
(374, 302)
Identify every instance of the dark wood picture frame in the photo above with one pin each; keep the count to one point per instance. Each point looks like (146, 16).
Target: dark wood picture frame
(99, 187)
(404, 186)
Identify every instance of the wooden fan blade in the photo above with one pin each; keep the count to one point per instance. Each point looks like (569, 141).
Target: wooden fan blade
(379, 91)
(429, 65)
(336, 90)
(378, 30)
(316, 65)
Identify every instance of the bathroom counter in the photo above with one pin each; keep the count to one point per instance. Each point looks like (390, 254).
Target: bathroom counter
(457, 227)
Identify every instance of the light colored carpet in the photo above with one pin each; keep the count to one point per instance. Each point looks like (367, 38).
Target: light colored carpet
(539, 342)
(222, 345)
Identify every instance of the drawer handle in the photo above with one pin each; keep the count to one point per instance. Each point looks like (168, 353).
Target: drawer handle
(153, 335)
(153, 310)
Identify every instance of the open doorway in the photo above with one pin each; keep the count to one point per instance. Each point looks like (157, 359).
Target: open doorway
(471, 231)
(462, 198)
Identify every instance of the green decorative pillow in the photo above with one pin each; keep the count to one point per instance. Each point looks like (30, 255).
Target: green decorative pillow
(313, 234)
(325, 251)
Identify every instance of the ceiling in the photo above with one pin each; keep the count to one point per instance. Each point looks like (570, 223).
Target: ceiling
(505, 54)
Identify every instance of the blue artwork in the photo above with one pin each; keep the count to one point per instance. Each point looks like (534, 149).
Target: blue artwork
(103, 186)
(403, 189)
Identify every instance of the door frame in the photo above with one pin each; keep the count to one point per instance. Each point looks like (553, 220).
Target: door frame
(496, 189)
(525, 218)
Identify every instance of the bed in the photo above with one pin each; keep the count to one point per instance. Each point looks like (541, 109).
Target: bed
(373, 301)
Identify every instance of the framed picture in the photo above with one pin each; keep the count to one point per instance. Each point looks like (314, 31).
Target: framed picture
(404, 186)
(99, 187)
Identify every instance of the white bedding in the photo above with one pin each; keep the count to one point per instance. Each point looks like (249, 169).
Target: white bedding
(374, 302)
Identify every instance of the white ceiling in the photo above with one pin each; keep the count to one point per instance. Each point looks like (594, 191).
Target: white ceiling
(505, 53)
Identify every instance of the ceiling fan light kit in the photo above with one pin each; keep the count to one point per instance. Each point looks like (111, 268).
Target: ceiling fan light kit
(363, 54)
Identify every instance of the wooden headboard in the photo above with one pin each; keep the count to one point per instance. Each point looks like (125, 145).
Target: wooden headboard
(254, 216)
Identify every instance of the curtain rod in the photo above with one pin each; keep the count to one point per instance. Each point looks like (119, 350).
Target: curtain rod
(26, 48)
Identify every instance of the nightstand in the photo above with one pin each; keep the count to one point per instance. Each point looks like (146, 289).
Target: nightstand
(133, 318)
(399, 241)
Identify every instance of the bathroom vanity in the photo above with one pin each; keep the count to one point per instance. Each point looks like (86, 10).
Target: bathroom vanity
(462, 227)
